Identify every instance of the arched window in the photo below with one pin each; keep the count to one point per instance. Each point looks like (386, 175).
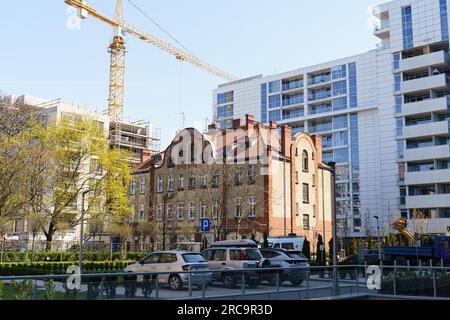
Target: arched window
(305, 161)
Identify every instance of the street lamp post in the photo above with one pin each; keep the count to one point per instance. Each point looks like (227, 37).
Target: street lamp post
(83, 211)
(379, 241)
(332, 169)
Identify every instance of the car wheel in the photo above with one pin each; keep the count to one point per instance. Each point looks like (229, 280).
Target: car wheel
(175, 282)
(229, 281)
(273, 281)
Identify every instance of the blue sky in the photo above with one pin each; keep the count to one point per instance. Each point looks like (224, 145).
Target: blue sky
(41, 56)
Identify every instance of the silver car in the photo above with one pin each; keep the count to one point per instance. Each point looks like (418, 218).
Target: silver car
(175, 262)
(294, 266)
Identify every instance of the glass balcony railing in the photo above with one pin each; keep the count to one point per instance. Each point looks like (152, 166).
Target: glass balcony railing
(293, 85)
(293, 101)
(319, 79)
(320, 95)
(293, 114)
(321, 127)
(321, 109)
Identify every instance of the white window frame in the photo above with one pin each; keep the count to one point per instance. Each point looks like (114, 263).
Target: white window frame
(142, 212)
(133, 187)
(191, 210)
(169, 210)
(203, 211)
(215, 210)
(181, 182)
(238, 204)
(170, 183)
(252, 207)
(159, 212)
(142, 185)
(160, 187)
(180, 211)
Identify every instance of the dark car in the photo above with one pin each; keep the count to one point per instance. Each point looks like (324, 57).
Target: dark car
(291, 263)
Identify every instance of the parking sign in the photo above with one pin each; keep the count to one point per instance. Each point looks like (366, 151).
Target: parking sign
(205, 225)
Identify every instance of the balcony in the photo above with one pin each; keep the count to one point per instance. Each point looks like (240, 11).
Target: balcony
(382, 31)
(428, 201)
(319, 80)
(428, 129)
(321, 95)
(429, 153)
(426, 83)
(427, 177)
(430, 59)
(296, 100)
(293, 85)
(426, 106)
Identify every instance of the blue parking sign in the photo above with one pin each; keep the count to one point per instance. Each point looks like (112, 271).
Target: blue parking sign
(205, 225)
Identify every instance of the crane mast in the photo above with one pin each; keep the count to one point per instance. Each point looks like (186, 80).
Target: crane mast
(117, 51)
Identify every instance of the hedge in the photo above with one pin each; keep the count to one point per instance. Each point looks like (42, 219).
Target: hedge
(47, 268)
(52, 256)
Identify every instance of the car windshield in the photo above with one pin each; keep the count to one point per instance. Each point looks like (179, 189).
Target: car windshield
(193, 257)
(253, 255)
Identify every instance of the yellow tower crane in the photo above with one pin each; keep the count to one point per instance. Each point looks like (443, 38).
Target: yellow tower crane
(117, 50)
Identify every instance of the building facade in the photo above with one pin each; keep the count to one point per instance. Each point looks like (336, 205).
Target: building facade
(383, 117)
(249, 180)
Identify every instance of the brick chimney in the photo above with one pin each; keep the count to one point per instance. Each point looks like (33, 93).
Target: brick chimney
(236, 123)
(272, 124)
(145, 155)
(286, 140)
(213, 126)
(249, 121)
(318, 144)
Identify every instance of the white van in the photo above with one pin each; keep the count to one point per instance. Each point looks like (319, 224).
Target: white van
(288, 243)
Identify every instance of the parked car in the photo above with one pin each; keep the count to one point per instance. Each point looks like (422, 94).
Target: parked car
(288, 243)
(175, 262)
(290, 261)
(230, 259)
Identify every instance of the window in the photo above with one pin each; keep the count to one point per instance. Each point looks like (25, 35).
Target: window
(339, 72)
(340, 138)
(306, 221)
(305, 193)
(340, 88)
(398, 104)
(402, 196)
(180, 211)
(169, 211)
(251, 174)
(341, 155)
(340, 104)
(203, 182)
(397, 82)
(252, 207)
(170, 183)
(181, 183)
(353, 86)
(305, 161)
(74, 204)
(219, 255)
(159, 212)
(215, 210)
(215, 179)
(444, 19)
(153, 258)
(191, 182)
(274, 101)
(142, 185)
(396, 58)
(408, 37)
(226, 97)
(401, 148)
(160, 187)
(340, 122)
(264, 103)
(275, 115)
(297, 209)
(296, 178)
(191, 210)
(275, 86)
(202, 210)
(168, 258)
(237, 208)
(238, 178)
(141, 212)
(133, 187)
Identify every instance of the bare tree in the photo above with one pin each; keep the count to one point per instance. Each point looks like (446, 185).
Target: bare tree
(146, 229)
(35, 223)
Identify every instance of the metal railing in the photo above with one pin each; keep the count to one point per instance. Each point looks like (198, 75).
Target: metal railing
(271, 283)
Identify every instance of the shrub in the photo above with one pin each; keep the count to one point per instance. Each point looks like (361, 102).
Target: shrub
(22, 289)
(49, 290)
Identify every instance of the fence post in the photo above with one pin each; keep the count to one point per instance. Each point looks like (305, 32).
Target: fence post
(157, 287)
(395, 277)
(278, 285)
(434, 284)
(307, 283)
(407, 263)
(357, 280)
(190, 284)
(243, 283)
(203, 288)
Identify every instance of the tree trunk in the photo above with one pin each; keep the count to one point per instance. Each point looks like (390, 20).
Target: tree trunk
(32, 249)
(49, 238)
(2, 250)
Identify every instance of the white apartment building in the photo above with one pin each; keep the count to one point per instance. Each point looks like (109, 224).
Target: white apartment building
(384, 118)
